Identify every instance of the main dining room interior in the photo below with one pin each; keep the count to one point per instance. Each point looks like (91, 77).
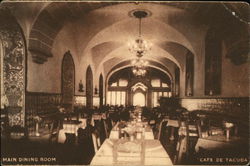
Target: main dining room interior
(116, 83)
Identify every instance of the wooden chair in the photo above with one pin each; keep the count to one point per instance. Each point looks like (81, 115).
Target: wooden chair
(160, 129)
(106, 128)
(188, 134)
(96, 140)
(53, 133)
(85, 141)
(180, 149)
(4, 122)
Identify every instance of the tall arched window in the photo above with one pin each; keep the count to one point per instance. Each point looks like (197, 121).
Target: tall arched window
(101, 89)
(177, 81)
(68, 81)
(189, 74)
(213, 52)
(89, 87)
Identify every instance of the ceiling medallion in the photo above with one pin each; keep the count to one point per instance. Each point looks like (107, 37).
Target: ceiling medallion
(139, 46)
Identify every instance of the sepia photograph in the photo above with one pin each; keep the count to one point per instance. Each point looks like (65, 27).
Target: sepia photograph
(137, 83)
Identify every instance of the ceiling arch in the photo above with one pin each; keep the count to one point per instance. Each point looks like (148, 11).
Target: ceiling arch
(51, 20)
(125, 64)
(155, 31)
(54, 16)
(122, 53)
(101, 50)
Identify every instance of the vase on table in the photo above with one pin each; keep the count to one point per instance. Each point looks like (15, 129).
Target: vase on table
(37, 120)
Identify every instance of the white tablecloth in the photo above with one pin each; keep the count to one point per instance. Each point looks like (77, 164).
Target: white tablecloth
(173, 123)
(149, 135)
(70, 128)
(155, 154)
(220, 141)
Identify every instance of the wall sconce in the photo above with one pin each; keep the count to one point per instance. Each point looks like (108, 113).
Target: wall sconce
(96, 90)
(81, 89)
(211, 92)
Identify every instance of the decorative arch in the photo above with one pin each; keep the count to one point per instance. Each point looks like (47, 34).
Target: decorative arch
(126, 64)
(139, 85)
(101, 89)
(125, 94)
(68, 81)
(89, 87)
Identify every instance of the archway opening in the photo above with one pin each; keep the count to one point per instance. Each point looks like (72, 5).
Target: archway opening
(139, 99)
(123, 85)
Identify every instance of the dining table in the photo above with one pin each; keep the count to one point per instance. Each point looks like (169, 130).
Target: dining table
(72, 128)
(219, 142)
(127, 152)
(148, 132)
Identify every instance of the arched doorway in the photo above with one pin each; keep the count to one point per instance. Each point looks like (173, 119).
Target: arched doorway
(139, 99)
(139, 93)
(89, 87)
(68, 81)
(101, 89)
(122, 85)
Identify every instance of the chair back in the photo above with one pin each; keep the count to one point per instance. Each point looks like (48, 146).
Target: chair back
(54, 130)
(188, 133)
(4, 122)
(161, 127)
(180, 150)
(96, 141)
(105, 125)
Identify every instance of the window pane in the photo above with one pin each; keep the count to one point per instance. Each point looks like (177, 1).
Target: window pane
(123, 98)
(114, 84)
(164, 85)
(160, 94)
(165, 94)
(113, 98)
(118, 98)
(123, 82)
(155, 82)
(169, 94)
(155, 96)
(108, 97)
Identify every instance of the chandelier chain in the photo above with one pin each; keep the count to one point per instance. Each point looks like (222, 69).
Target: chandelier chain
(140, 27)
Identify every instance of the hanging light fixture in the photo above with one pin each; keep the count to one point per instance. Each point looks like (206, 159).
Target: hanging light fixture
(139, 67)
(139, 46)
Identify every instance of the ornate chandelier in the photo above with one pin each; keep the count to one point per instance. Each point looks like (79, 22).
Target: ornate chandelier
(139, 46)
(139, 67)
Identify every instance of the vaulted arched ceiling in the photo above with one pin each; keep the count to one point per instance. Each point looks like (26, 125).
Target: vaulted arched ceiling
(102, 30)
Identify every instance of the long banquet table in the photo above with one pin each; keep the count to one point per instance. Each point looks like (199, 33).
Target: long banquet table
(153, 154)
(114, 134)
